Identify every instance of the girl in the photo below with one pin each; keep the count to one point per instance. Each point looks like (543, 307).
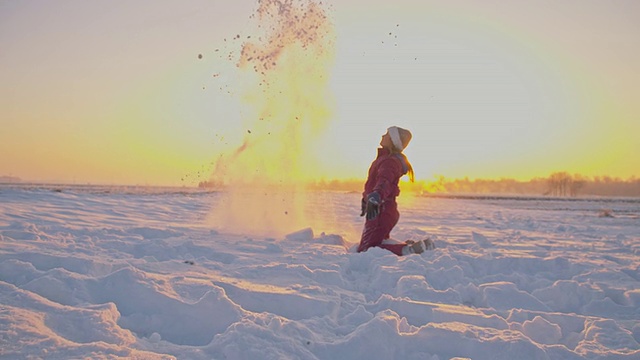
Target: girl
(380, 192)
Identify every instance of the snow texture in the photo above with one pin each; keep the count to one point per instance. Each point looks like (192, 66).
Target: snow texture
(104, 273)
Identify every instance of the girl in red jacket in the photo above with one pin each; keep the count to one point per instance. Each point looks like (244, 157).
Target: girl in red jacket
(380, 191)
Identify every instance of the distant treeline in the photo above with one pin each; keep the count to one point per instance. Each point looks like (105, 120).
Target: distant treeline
(559, 184)
(9, 179)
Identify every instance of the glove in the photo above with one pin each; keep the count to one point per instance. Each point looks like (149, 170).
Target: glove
(373, 206)
(363, 206)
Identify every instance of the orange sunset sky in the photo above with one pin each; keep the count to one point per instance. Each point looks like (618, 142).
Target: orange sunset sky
(115, 92)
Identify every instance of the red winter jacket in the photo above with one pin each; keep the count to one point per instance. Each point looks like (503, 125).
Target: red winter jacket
(384, 174)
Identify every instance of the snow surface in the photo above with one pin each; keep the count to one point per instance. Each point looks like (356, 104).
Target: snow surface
(99, 272)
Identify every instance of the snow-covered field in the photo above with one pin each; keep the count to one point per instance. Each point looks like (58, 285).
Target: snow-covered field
(99, 272)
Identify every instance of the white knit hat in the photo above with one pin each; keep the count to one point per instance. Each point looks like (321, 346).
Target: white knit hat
(399, 141)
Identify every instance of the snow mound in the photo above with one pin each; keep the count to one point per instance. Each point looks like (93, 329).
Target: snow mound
(103, 274)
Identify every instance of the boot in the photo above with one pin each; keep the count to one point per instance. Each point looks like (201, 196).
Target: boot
(418, 247)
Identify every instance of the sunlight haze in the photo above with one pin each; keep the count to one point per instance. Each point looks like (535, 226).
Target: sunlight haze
(154, 92)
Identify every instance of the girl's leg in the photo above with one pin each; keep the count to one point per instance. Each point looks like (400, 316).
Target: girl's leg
(372, 234)
(394, 248)
(378, 229)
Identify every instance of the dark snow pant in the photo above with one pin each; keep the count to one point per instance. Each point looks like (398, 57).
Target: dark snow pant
(378, 229)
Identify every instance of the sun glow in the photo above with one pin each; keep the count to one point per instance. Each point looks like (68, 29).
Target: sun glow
(284, 68)
(169, 94)
(284, 79)
(486, 96)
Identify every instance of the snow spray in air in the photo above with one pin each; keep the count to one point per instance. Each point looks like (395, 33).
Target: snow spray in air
(284, 67)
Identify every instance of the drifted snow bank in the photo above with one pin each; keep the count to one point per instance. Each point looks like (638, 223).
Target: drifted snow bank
(110, 275)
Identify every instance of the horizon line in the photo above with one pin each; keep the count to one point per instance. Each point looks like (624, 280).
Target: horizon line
(16, 180)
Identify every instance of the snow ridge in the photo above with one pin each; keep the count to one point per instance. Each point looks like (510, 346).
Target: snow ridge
(112, 275)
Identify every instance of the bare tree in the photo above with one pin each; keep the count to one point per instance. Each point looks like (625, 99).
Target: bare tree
(577, 183)
(563, 184)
